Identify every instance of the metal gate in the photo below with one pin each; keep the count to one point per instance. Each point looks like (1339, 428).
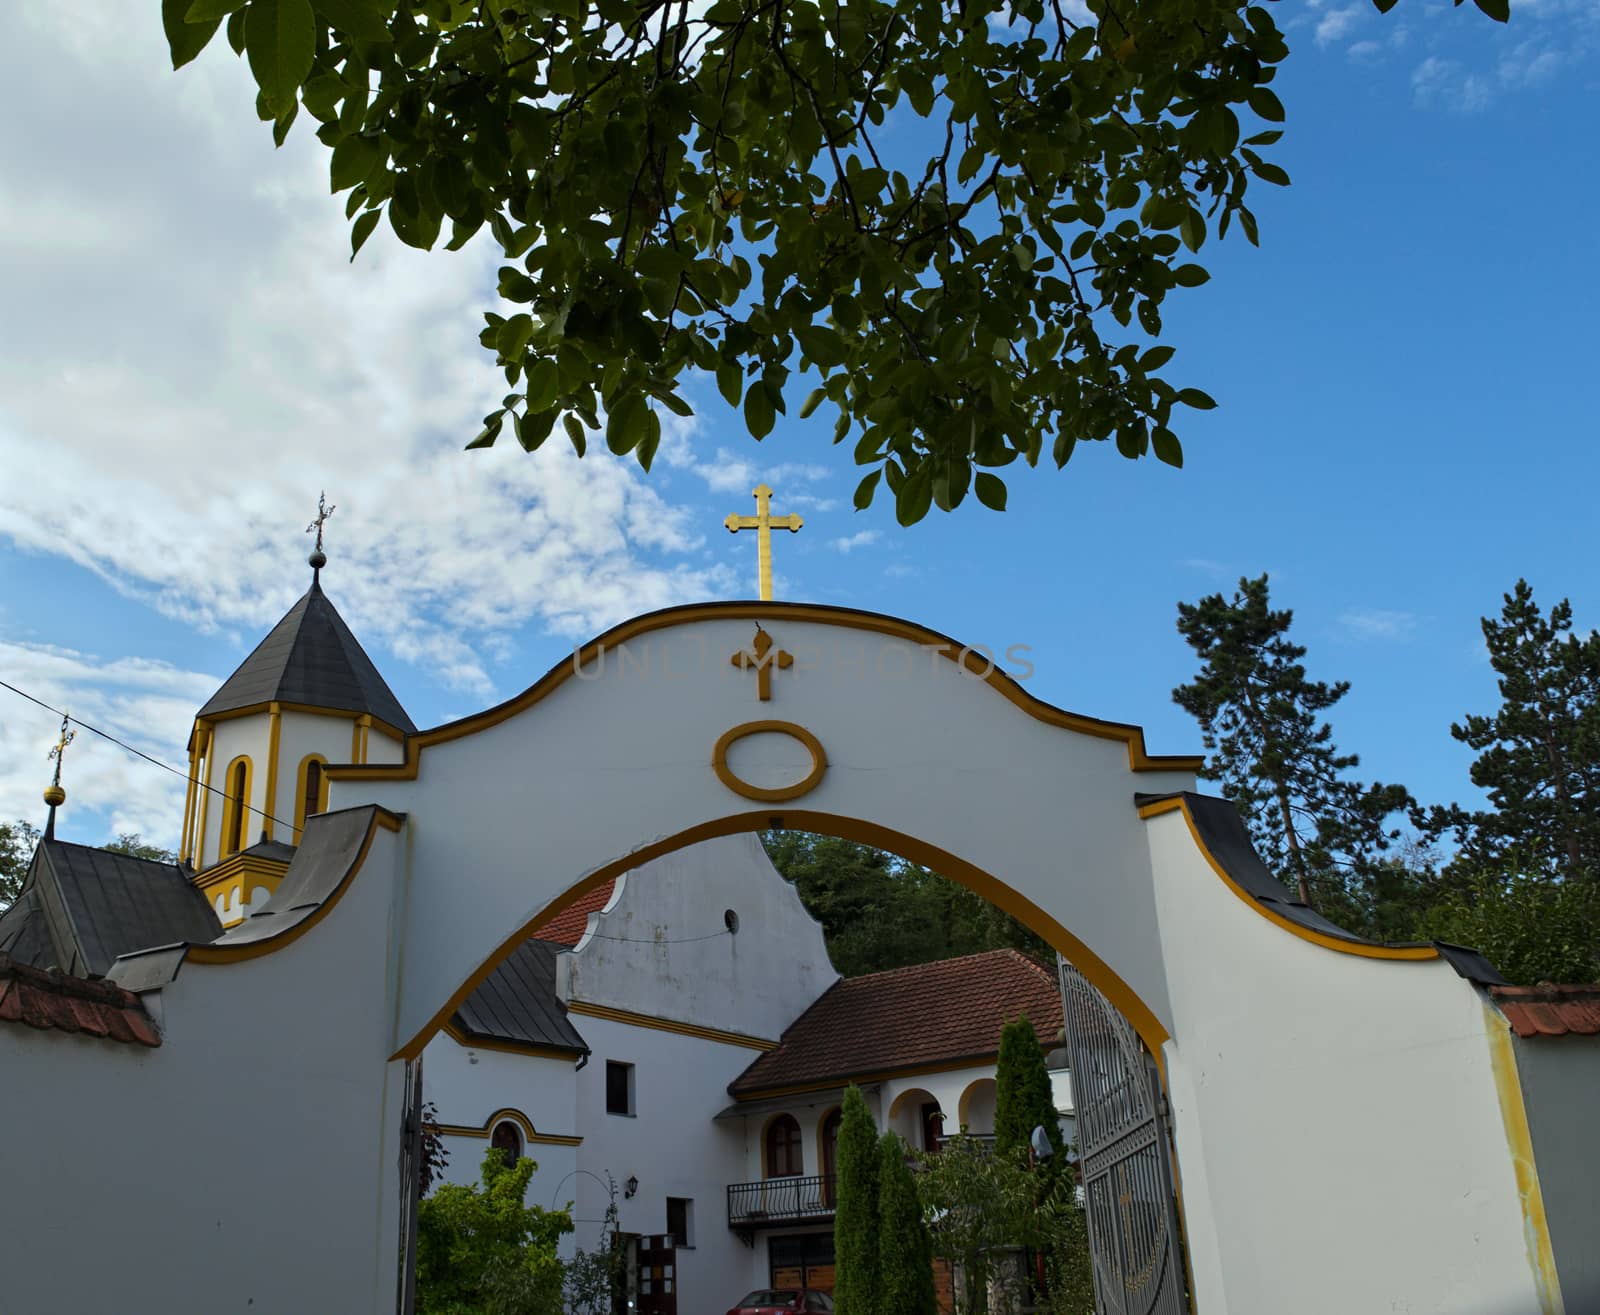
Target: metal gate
(1123, 1157)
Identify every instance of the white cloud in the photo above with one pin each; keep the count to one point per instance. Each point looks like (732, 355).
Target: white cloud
(189, 357)
(860, 539)
(1364, 50)
(1336, 23)
(1439, 83)
(148, 704)
(1378, 623)
(1530, 64)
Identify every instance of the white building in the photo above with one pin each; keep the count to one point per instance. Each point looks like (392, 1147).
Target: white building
(677, 1040)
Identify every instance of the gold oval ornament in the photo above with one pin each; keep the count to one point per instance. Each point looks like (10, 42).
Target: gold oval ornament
(779, 794)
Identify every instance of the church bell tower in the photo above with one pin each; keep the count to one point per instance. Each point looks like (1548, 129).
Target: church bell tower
(307, 696)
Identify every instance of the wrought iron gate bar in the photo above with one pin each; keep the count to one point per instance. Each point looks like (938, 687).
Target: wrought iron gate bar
(1122, 1150)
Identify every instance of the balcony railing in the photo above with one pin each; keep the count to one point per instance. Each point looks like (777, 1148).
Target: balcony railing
(776, 1201)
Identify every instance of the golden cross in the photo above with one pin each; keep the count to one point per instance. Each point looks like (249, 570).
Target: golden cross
(323, 512)
(60, 750)
(763, 660)
(763, 523)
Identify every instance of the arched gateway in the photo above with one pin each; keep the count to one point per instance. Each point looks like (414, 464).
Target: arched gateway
(1348, 1136)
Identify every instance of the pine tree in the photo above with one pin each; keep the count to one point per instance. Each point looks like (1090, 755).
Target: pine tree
(1539, 753)
(857, 1288)
(1023, 1099)
(905, 1249)
(1260, 716)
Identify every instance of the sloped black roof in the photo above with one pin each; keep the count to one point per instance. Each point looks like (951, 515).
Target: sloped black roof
(517, 1002)
(310, 657)
(82, 907)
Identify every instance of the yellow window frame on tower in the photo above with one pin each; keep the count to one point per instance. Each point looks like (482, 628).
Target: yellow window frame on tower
(236, 813)
(300, 810)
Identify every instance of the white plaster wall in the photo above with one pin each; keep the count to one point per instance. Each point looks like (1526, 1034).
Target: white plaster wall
(383, 748)
(230, 738)
(606, 765)
(467, 1084)
(645, 952)
(1337, 1126)
(234, 1169)
(672, 1146)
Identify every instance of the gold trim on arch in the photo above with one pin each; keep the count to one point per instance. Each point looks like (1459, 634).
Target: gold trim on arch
(524, 1125)
(782, 793)
(1360, 948)
(975, 879)
(669, 1025)
(1139, 759)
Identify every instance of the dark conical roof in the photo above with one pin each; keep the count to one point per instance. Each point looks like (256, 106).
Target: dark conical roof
(311, 658)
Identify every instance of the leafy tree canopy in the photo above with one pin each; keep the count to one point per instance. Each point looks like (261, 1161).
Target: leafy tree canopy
(17, 842)
(878, 912)
(905, 1249)
(131, 842)
(482, 1251)
(964, 220)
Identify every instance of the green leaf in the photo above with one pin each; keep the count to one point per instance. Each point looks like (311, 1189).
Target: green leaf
(865, 490)
(1384, 6)
(544, 384)
(1192, 229)
(280, 37)
(1156, 357)
(575, 432)
(1271, 173)
(759, 415)
(1264, 101)
(1499, 10)
(354, 160)
(625, 422)
(185, 39)
(730, 383)
(646, 452)
(1201, 401)
(1167, 447)
(812, 402)
(914, 497)
(533, 428)
(991, 490)
(1190, 276)
(361, 19)
(361, 230)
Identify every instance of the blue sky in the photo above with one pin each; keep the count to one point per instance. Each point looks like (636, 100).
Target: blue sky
(188, 359)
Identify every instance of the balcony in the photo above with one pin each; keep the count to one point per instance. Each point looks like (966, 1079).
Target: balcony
(778, 1202)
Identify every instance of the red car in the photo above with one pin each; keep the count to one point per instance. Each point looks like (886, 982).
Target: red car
(782, 1301)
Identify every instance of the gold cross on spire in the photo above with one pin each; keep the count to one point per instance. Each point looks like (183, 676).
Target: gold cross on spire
(321, 519)
(763, 660)
(763, 523)
(54, 794)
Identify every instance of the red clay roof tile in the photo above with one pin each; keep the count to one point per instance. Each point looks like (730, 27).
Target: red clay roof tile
(51, 1001)
(568, 926)
(930, 1014)
(1549, 1010)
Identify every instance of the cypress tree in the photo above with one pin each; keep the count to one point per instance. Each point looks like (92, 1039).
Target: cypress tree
(905, 1249)
(857, 1289)
(1023, 1100)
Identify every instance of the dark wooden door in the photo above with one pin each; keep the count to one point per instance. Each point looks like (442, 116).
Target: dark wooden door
(657, 1284)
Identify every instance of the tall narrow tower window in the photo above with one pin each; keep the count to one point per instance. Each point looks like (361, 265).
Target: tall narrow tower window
(313, 792)
(235, 817)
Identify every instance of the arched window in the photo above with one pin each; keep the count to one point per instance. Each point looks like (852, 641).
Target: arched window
(311, 793)
(783, 1147)
(507, 1139)
(829, 1138)
(236, 815)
